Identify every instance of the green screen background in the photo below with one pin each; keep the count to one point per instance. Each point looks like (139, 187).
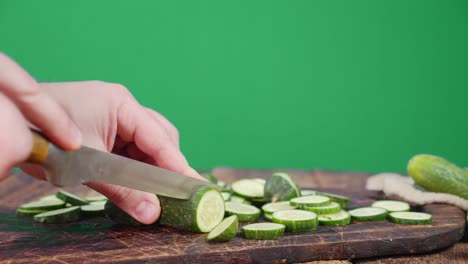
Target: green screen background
(341, 85)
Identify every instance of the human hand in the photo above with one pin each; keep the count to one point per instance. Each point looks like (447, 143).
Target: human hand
(22, 104)
(110, 119)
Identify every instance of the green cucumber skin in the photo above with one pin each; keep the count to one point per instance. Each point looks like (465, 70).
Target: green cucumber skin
(245, 217)
(277, 188)
(341, 200)
(72, 216)
(210, 177)
(118, 216)
(182, 213)
(296, 227)
(262, 235)
(323, 210)
(436, 174)
(340, 223)
(408, 221)
(28, 213)
(369, 218)
(70, 198)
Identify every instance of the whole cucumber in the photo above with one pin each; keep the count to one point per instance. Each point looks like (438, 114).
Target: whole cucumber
(436, 174)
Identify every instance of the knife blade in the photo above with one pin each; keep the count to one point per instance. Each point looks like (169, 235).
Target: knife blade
(68, 168)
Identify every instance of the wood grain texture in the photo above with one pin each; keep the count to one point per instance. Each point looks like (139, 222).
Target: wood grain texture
(98, 240)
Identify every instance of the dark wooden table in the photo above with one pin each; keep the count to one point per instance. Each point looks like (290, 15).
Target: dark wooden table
(16, 190)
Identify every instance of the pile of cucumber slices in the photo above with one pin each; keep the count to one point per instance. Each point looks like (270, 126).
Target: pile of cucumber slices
(284, 207)
(268, 208)
(63, 207)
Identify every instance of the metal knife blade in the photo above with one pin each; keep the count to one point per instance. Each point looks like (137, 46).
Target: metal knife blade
(66, 168)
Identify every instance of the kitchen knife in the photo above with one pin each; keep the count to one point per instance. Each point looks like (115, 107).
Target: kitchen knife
(67, 168)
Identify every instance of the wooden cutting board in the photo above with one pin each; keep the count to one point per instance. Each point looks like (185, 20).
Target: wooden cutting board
(98, 240)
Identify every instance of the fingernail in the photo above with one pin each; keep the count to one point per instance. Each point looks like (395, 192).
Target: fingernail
(145, 212)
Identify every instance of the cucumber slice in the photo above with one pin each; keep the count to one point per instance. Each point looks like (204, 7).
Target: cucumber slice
(210, 177)
(310, 201)
(308, 192)
(59, 216)
(264, 231)
(341, 200)
(96, 198)
(392, 206)
(268, 217)
(280, 187)
(238, 199)
(225, 231)
(270, 208)
(410, 218)
(296, 220)
(226, 196)
(245, 212)
(249, 188)
(24, 212)
(338, 219)
(93, 209)
(332, 208)
(70, 198)
(45, 205)
(223, 185)
(368, 214)
(51, 197)
(201, 213)
(98, 202)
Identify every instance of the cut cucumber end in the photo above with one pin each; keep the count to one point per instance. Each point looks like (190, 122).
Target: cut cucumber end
(224, 231)
(210, 211)
(45, 205)
(263, 231)
(93, 209)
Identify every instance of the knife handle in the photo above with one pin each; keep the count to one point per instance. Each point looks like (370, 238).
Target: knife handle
(40, 148)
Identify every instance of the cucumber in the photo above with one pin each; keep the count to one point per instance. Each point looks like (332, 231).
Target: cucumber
(96, 198)
(93, 209)
(245, 212)
(296, 220)
(225, 231)
(410, 218)
(281, 187)
(25, 212)
(226, 196)
(436, 174)
(337, 219)
(98, 202)
(59, 216)
(332, 208)
(310, 201)
(341, 200)
(263, 231)
(308, 192)
(268, 217)
(392, 206)
(70, 198)
(225, 186)
(45, 205)
(210, 177)
(270, 208)
(249, 188)
(368, 214)
(201, 213)
(238, 199)
(49, 198)
(118, 216)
